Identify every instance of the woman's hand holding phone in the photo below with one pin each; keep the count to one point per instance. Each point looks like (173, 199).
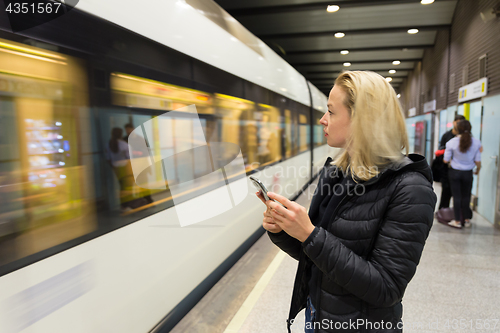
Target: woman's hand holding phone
(290, 216)
(268, 222)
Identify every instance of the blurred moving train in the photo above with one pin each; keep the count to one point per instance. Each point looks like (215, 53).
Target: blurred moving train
(82, 247)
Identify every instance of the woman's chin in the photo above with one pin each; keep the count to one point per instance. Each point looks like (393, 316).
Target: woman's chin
(336, 145)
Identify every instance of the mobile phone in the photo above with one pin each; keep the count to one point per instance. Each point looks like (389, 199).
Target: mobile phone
(258, 184)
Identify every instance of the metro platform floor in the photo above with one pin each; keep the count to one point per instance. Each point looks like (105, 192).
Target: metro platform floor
(456, 283)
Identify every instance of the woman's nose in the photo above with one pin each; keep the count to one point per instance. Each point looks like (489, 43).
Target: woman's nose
(322, 121)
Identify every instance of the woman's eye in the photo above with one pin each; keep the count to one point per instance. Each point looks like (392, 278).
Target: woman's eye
(330, 112)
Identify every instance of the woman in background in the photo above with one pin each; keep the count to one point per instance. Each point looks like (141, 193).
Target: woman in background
(464, 152)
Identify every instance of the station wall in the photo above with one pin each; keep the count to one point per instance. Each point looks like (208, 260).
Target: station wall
(454, 60)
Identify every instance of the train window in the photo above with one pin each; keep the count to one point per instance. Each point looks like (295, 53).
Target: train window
(268, 134)
(319, 138)
(288, 133)
(238, 124)
(174, 130)
(304, 132)
(295, 134)
(47, 198)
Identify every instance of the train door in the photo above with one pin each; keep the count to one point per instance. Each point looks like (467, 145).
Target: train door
(488, 205)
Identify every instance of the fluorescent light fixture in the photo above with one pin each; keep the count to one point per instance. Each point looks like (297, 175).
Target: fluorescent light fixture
(392, 71)
(388, 79)
(339, 34)
(396, 62)
(332, 8)
(347, 64)
(413, 31)
(426, 2)
(344, 52)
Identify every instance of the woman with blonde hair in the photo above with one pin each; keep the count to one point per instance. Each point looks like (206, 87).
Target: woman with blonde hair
(361, 241)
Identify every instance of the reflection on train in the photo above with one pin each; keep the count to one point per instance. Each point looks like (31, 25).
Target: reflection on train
(65, 169)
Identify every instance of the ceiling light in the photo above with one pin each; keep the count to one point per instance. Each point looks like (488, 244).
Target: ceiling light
(413, 31)
(396, 62)
(426, 2)
(490, 14)
(392, 71)
(344, 52)
(339, 34)
(347, 64)
(388, 79)
(398, 95)
(332, 8)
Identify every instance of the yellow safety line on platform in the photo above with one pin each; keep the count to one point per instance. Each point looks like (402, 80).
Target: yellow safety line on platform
(247, 306)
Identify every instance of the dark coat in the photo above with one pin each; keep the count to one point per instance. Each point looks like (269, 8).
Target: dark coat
(368, 251)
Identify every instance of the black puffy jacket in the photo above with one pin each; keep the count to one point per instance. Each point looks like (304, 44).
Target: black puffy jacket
(368, 252)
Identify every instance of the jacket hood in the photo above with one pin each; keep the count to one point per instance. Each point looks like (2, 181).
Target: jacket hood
(413, 162)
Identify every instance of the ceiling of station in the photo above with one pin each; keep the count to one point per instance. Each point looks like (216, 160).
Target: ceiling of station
(376, 33)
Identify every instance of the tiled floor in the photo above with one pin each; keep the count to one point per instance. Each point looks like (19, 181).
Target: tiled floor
(456, 287)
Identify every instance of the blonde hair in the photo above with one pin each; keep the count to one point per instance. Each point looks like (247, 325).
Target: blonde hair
(378, 130)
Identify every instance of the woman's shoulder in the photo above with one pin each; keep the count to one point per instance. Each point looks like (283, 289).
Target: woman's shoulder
(453, 141)
(122, 145)
(413, 187)
(411, 178)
